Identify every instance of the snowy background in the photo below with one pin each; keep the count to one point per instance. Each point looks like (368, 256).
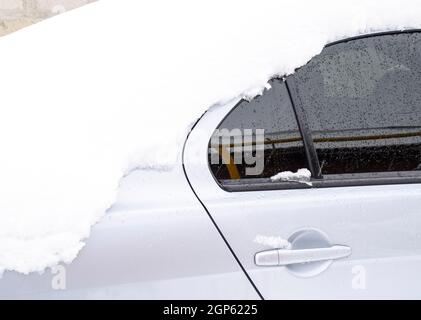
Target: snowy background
(16, 14)
(84, 101)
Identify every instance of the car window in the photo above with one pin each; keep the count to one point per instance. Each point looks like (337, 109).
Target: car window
(362, 103)
(258, 138)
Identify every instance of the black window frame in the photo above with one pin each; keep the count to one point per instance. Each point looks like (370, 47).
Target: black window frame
(317, 179)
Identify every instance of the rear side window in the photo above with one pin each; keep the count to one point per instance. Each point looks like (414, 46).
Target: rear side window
(362, 104)
(258, 139)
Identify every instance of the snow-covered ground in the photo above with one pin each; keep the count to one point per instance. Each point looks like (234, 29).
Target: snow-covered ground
(91, 94)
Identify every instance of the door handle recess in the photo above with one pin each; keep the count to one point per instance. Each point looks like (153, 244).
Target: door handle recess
(285, 257)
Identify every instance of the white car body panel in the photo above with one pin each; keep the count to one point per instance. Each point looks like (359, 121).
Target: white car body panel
(170, 233)
(156, 242)
(381, 224)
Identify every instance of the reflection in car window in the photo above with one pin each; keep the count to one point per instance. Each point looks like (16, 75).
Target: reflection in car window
(362, 101)
(258, 139)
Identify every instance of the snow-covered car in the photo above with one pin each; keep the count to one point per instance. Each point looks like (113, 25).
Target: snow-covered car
(310, 190)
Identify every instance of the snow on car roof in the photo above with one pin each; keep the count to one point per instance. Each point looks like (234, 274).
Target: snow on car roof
(90, 94)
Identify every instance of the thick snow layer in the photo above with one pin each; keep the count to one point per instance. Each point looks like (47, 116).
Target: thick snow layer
(89, 95)
(301, 176)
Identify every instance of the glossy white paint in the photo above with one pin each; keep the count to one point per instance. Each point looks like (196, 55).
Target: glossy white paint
(156, 242)
(382, 225)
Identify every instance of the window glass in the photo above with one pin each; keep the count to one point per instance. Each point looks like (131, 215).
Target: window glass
(258, 139)
(362, 101)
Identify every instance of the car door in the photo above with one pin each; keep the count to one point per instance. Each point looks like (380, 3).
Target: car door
(352, 118)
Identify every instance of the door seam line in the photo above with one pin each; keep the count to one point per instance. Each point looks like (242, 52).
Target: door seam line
(213, 220)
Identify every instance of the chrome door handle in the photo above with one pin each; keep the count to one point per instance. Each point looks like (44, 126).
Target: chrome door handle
(285, 257)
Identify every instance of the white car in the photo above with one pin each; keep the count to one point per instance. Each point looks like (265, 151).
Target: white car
(224, 225)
